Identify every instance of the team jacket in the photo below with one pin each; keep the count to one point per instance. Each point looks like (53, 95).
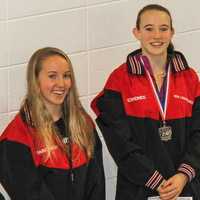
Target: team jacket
(128, 116)
(25, 175)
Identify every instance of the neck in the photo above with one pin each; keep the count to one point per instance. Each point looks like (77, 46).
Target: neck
(158, 63)
(55, 112)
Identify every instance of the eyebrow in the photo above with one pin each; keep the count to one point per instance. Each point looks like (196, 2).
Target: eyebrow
(68, 71)
(147, 25)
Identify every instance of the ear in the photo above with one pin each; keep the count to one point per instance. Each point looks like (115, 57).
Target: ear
(136, 33)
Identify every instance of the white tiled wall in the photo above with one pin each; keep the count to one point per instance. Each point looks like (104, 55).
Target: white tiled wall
(97, 36)
(66, 30)
(4, 91)
(21, 8)
(16, 86)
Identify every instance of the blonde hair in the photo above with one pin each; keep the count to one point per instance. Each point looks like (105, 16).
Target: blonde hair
(77, 122)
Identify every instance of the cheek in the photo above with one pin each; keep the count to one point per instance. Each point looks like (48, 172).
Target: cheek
(45, 87)
(68, 83)
(146, 37)
(168, 36)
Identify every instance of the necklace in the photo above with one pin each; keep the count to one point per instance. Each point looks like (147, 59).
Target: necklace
(161, 75)
(159, 78)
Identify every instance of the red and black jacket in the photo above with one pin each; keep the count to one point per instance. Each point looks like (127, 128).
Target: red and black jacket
(26, 175)
(129, 118)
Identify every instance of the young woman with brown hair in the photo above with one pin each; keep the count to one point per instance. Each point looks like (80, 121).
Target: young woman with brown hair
(149, 115)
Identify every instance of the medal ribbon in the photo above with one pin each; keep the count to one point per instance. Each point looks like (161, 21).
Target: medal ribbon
(162, 111)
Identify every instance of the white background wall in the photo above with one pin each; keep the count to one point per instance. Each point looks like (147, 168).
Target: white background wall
(95, 33)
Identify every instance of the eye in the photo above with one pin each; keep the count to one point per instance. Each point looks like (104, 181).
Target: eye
(67, 76)
(149, 29)
(52, 76)
(163, 29)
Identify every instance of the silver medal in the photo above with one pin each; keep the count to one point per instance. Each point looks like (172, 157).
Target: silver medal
(165, 133)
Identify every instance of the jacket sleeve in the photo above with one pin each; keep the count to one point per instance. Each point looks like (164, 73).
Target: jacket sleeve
(18, 173)
(129, 157)
(95, 189)
(191, 161)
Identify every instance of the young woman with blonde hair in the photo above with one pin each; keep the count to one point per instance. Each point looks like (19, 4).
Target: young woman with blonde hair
(51, 149)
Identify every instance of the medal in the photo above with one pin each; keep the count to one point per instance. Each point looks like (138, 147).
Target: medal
(165, 132)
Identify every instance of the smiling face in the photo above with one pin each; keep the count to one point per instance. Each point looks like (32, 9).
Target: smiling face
(154, 32)
(54, 81)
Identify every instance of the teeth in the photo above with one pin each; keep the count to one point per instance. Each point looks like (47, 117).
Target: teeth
(157, 43)
(58, 92)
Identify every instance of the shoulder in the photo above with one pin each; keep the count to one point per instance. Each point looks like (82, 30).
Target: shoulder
(17, 131)
(190, 75)
(119, 71)
(113, 87)
(116, 77)
(193, 73)
(181, 68)
(189, 81)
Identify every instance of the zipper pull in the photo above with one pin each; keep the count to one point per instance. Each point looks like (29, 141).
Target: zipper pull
(164, 123)
(72, 177)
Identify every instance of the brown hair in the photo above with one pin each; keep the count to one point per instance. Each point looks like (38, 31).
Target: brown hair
(156, 7)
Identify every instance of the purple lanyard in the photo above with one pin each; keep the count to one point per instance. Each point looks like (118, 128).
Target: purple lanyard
(162, 92)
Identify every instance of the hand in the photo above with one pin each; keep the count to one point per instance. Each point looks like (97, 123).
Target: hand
(173, 187)
(160, 186)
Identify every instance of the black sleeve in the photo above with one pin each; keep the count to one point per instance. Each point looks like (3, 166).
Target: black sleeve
(129, 157)
(191, 160)
(19, 175)
(95, 189)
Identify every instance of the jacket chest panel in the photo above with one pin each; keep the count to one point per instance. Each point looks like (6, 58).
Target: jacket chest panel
(181, 99)
(59, 158)
(140, 100)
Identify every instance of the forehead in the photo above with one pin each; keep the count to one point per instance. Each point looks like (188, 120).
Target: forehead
(155, 17)
(55, 63)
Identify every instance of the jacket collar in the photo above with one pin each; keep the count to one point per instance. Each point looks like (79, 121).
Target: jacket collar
(135, 66)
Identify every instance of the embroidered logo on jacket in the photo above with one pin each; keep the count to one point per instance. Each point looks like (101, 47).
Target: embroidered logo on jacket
(136, 98)
(44, 150)
(184, 99)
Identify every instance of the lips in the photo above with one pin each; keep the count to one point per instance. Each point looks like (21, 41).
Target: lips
(59, 92)
(157, 44)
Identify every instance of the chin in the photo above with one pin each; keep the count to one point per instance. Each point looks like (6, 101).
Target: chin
(58, 103)
(157, 53)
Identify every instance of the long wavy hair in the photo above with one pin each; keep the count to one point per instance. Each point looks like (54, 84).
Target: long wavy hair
(156, 7)
(77, 121)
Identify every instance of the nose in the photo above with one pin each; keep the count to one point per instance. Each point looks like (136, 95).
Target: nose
(157, 34)
(60, 82)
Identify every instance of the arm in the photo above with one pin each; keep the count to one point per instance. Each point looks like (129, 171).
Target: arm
(129, 157)
(191, 161)
(190, 164)
(95, 189)
(18, 173)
